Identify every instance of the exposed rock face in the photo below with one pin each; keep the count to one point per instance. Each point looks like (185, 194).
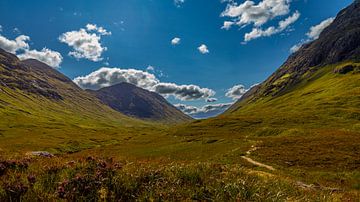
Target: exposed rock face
(338, 42)
(140, 103)
(25, 76)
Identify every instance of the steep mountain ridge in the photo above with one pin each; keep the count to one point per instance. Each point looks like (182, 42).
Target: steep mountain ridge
(140, 103)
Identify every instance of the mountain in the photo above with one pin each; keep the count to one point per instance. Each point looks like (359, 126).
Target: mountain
(140, 103)
(40, 107)
(306, 115)
(337, 43)
(318, 86)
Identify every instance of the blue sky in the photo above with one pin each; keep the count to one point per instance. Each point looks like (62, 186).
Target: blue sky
(142, 30)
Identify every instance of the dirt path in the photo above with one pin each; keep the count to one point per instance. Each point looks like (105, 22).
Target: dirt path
(250, 160)
(297, 183)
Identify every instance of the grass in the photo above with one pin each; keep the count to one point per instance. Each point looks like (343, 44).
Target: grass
(310, 133)
(93, 179)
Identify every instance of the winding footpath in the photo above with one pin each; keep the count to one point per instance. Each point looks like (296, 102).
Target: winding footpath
(252, 161)
(297, 183)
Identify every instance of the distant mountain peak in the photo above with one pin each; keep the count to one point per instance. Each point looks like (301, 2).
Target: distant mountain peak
(140, 103)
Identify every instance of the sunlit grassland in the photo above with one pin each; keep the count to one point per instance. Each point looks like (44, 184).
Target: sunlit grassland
(310, 133)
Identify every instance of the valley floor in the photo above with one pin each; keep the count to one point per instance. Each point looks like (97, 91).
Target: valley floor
(171, 165)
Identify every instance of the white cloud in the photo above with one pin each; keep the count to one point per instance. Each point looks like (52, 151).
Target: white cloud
(178, 3)
(227, 25)
(316, 30)
(312, 34)
(236, 92)
(47, 56)
(205, 111)
(203, 49)
(105, 77)
(297, 46)
(0, 28)
(150, 68)
(282, 25)
(110, 76)
(175, 41)
(211, 99)
(20, 43)
(85, 44)
(258, 14)
(186, 108)
(100, 30)
(183, 92)
(16, 30)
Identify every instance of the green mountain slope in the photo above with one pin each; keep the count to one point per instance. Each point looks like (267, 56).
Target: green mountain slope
(40, 107)
(139, 103)
(305, 118)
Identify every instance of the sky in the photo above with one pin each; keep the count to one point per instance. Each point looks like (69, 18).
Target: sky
(202, 55)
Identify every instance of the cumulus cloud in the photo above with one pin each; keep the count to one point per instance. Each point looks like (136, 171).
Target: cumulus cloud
(316, 30)
(20, 43)
(110, 76)
(105, 77)
(0, 28)
(85, 42)
(21, 48)
(205, 111)
(257, 15)
(259, 32)
(100, 30)
(175, 41)
(47, 56)
(236, 92)
(186, 108)
(211, 99)
(313, 34)
(227, 25)
(183, 92)
(203, 49)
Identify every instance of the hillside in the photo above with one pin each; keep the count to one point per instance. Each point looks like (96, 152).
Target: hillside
(38, 101)
(339, 42)
(305, 118)
(139, 103)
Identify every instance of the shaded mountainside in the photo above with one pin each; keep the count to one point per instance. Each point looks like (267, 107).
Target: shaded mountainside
(39, 82)
(339, 42)
(140, 103)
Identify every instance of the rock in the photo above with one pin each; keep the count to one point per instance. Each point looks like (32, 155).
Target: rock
(345, 69)
(41, 154)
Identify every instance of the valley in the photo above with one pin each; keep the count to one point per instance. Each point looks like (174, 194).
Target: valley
(294, 137)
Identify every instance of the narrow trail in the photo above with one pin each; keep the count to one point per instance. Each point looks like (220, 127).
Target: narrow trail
(297, 183)
(252, 161)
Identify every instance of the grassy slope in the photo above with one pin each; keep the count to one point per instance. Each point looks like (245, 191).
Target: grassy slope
(29, 121)
(311, 132)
